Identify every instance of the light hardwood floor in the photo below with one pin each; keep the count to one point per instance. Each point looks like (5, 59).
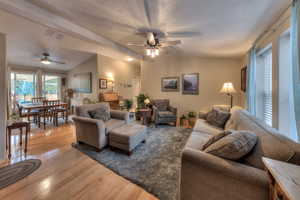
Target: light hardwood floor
(66, 173)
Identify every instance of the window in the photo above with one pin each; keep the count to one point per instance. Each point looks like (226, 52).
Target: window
(22, 86)
(264, 85)
(51, 87)
(267, 99)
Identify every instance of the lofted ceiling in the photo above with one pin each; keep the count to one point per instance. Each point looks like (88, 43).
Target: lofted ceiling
(222, 28)
(26, 45)
(208, 28)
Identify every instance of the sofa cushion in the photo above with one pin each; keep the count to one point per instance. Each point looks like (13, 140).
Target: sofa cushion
(204, 127)
(101, 113)
(113, 123)
(233, 146)
(83, 110)
(215, 138)
(197, 140)
(217, 117)
(270, 143)
(166, 114)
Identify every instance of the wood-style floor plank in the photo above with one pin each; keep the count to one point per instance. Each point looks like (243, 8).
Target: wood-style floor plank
(65, 172)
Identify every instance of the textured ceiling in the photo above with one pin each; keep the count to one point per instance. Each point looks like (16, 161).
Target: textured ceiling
(223, 28)
(26, 45)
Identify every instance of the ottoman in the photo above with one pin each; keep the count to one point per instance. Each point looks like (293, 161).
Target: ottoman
(127, 137)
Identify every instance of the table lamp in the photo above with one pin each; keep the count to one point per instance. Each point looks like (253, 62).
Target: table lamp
(229, 90)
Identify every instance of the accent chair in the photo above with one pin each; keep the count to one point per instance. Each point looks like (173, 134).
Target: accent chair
(163, 113)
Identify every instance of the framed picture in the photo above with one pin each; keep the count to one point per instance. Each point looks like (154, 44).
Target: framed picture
(170, 84)
(103, 83)
(82, 82)
(244, 79)
(190, 84)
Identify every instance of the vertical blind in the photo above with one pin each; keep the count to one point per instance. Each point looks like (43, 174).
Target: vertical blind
(267, 102)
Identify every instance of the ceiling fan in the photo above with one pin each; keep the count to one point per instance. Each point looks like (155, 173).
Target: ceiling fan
(154, 43)
(46, 60)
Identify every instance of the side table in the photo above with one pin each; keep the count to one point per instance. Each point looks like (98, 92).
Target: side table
(146, 116)
(20, 126)
(284, 179)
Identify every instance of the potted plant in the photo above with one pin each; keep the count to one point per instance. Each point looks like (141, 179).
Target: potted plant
(192, 118)
(183, 121)
(128, 104)
(140, 104)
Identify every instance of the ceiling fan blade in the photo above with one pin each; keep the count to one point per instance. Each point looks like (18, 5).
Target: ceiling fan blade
(58, 62)
(169, 43)
(138, 44)
(183, 34)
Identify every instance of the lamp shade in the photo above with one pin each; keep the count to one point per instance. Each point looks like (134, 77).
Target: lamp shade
(228, 88)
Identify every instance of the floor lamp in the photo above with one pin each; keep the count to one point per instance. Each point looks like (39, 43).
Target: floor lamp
(228, 89)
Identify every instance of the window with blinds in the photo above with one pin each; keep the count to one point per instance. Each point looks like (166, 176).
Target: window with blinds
(267, 96)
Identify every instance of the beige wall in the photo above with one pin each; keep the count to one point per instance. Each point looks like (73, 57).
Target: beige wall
(213, 72)
(88, 66)
(126, 76)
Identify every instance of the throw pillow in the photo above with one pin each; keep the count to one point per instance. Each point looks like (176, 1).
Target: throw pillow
(100, 113)
(217, 117)
(215, 138)
(233, 146)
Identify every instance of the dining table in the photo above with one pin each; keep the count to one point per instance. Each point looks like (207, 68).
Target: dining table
(28, 107)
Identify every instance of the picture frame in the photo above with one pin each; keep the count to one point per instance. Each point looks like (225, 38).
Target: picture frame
(244, 79)
(102, 83)
(170, 84)
(190, 84)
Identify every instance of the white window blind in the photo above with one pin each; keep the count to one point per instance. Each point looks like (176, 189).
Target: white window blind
(267, 101)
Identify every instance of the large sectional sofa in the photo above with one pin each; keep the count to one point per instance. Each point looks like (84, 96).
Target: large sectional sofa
(208, 177)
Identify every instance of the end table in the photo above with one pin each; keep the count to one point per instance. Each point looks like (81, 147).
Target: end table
(146, 116)
(20, 126)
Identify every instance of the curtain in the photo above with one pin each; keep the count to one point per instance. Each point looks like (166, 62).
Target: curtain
(295, 82)
(251, 82)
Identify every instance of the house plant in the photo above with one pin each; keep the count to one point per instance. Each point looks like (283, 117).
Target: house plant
(192, 118)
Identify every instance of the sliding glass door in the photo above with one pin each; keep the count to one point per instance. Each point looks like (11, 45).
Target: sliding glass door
(51, 87)
(22, 86)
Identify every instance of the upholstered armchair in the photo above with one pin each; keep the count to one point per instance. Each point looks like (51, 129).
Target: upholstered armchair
(163, 113)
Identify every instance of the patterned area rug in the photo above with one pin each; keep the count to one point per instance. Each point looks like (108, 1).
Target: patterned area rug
(12, 173)
(155, 165)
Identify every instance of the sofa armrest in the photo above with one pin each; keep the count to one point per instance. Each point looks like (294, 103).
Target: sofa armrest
(173, 110)
(90, 131)
(122, 115)
(204, 174)
(202, 115)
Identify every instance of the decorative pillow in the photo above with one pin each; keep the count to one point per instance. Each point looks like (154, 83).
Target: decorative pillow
(100, 113)
(215, 138)
(233, 146)
(217, 117)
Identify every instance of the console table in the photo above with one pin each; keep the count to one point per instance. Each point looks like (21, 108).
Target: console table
(284, 180)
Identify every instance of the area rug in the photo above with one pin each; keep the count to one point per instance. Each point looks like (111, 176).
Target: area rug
(154, 166)
(12, 173)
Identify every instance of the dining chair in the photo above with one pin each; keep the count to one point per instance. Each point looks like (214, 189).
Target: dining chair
(38, 99)
(48, 111)
(60, 111)
(28, 114)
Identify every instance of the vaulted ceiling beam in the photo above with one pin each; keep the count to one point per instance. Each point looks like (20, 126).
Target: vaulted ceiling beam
(46, 18)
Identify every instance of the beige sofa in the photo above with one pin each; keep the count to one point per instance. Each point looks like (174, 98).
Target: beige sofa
(94, 132)
(204, 176)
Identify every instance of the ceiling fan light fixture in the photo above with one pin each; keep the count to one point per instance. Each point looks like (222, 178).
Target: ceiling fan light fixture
(148, 52)
(45, 62)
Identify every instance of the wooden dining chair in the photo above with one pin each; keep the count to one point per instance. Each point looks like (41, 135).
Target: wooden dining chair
(38, 99)
(48, 111)
(28, 114)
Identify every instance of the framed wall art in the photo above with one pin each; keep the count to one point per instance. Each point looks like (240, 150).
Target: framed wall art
(190, 84)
